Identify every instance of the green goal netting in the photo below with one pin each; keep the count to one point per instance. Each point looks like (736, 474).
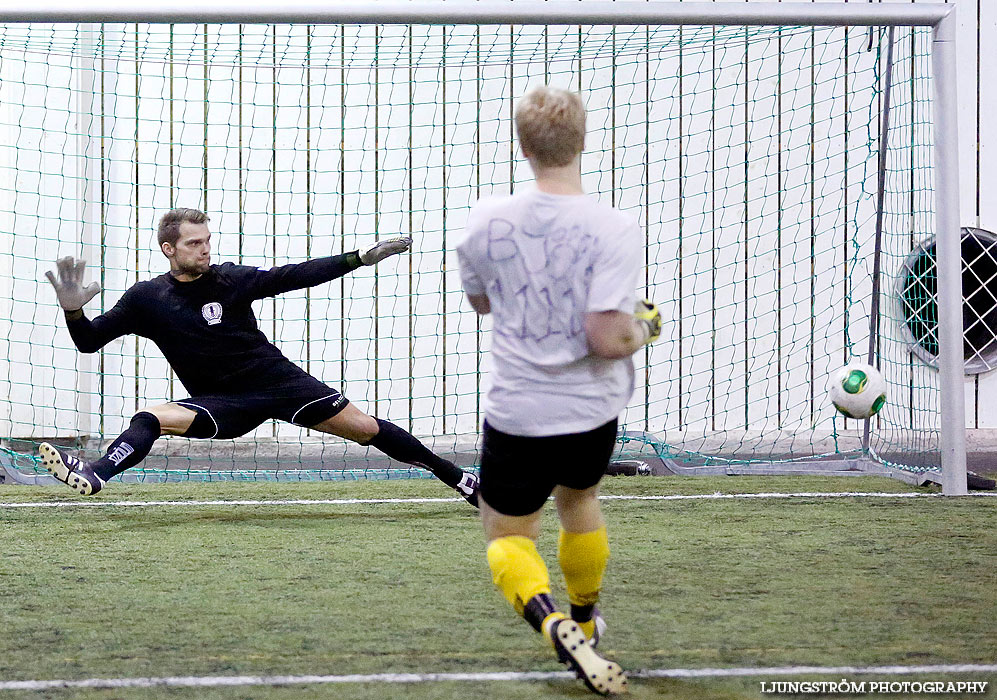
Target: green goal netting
(749, 155)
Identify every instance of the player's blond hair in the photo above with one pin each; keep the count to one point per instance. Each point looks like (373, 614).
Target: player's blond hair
(550, 124)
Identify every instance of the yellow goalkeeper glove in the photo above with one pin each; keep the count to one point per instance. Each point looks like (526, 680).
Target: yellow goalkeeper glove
(649, 317)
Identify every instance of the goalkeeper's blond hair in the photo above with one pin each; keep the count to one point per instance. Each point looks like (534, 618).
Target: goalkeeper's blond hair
(550, 124)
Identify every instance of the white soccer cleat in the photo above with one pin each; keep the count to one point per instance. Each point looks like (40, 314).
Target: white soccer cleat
(600, 675)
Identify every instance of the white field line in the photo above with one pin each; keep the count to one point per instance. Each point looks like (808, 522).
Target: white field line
(367, 501)
(214, 681)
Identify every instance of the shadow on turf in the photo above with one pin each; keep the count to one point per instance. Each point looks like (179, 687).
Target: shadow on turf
(170, 519)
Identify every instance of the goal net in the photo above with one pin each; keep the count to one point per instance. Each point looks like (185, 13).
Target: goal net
(749, 155)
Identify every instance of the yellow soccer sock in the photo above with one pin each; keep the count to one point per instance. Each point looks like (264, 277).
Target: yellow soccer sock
(549, 622)
(518, 570)
(588, 628)
(583, 557)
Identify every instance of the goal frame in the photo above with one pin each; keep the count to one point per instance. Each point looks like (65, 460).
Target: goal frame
(941, 18)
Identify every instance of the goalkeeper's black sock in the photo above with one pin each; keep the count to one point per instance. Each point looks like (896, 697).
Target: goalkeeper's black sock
(130, 447)
(402, 445)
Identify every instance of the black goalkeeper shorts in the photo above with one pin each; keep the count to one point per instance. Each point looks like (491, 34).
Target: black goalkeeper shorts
(519, 473)
(303, 401)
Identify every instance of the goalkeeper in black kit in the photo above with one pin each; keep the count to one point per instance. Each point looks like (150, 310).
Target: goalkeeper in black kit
(201, 317)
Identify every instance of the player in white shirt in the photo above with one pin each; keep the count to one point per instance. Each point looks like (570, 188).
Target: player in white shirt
(558, 270)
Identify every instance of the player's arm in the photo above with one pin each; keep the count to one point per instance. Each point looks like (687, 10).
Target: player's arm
(611, 330)
(287, 278)
(615, 334)
(88, 336)
(474, 288)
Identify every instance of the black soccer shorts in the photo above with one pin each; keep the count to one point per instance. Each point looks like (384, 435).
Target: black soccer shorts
(519, 473)
(303, 401)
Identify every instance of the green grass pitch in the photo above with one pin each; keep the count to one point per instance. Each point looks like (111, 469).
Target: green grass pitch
(195, 590)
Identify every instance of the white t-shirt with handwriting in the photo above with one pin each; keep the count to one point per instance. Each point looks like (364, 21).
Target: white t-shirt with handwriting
(544, 261)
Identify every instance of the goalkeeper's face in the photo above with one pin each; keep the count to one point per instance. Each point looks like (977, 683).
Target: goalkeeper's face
(191, 256)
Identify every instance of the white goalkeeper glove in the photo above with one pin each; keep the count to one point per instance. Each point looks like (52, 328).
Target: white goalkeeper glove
(649, 318)
(386, 248)
(69, 287)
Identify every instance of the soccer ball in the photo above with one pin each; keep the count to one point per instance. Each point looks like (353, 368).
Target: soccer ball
(857, 390)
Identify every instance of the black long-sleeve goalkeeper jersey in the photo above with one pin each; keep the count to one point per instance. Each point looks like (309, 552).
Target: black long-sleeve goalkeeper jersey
(206, 328)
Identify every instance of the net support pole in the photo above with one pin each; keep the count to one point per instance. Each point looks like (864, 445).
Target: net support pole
(949, 263)
(88, 208)
(877, 257)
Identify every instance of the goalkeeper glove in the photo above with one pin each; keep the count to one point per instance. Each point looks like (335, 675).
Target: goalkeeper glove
(386, 248)
(649, 318)
(69, 287)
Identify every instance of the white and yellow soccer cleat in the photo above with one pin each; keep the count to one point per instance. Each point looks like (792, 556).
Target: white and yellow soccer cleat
(600, 675)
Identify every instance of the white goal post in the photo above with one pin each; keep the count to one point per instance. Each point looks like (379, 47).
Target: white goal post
(939, 17)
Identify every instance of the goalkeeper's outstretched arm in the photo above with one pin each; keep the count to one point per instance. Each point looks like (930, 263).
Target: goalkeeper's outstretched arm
(287, 278)
(88, 336)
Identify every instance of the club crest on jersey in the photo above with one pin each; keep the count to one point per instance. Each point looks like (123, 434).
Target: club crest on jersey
(212, 313)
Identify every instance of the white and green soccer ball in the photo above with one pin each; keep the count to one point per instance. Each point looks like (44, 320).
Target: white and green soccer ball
(857, 390)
